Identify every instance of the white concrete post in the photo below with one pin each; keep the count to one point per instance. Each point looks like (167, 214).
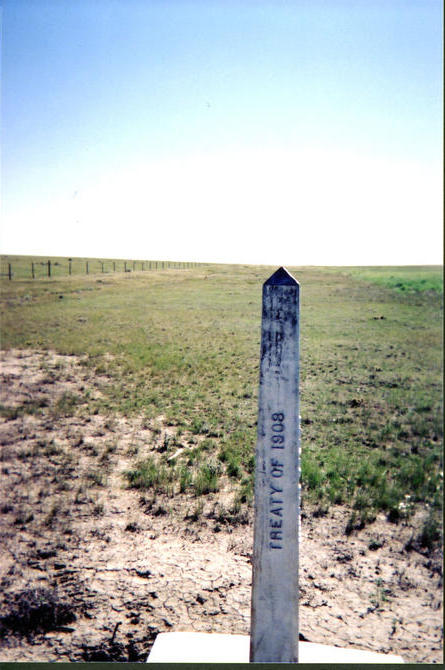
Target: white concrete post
(274, 613)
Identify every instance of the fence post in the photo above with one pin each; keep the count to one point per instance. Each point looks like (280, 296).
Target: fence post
(87, 269)
(101, 262)
(9, 271)
(32, 270)
(69, 266)
(49, 268)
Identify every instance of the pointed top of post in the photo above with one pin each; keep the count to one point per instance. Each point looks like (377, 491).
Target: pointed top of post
(281, 278)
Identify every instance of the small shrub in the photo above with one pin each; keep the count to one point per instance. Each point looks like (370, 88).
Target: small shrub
(250, 464)
(233, 515)
(23, 517)
(193, 455)
(111, 424)
(160, 510)
(359, 518)
(430, 533)
(165, 444)
(149, 474)
(375, 544)
(52, 449)
(98, 509)
(199, 427)
(196, 514)
(321, 510)
(381, 594)
(311, 474)
(233, 468)
(185, 478)
(95, 478)
(32, 407)
(65, 405)
(52, 515)
(246, 490)
(111, 447)
(206, 480)
(367, 515)
(223, 456)
(90, 448)
(34, 610)
(80, 496)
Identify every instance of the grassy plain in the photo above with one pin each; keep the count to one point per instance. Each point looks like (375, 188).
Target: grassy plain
(183, 344)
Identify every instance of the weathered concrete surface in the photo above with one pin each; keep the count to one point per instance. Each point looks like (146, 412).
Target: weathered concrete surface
(274, 614)
(211, 648)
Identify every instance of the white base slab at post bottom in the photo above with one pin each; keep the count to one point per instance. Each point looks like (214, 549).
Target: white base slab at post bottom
(220, 648)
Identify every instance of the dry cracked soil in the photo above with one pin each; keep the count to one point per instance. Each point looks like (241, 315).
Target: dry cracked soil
(91, 570)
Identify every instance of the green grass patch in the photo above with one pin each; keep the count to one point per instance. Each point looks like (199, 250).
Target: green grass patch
(152, 474)
(184, 344)
(30, 407)
(149, 474)
(404, 279)
(206, 479)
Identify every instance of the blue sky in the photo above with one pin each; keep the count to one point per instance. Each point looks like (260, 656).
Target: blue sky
(305, 132)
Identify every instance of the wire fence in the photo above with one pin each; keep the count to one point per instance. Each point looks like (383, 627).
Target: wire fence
(38, 268)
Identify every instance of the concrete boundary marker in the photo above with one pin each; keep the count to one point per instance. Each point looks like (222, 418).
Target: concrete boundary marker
(274, 606)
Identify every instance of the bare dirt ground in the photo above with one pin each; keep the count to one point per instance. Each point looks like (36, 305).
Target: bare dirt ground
(92, 571)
